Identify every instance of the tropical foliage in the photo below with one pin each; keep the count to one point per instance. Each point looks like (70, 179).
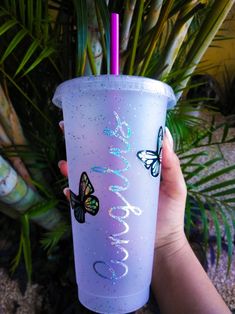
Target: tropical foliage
(46, 42)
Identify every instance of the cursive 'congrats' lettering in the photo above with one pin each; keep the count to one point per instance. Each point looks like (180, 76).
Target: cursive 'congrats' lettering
(117, 268)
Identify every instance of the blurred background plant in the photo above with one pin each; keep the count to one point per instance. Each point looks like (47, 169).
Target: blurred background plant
(46, 42)
(225, 94)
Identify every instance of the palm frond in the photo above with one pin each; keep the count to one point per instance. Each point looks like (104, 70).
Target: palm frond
(24, 247)
(29, 31)
(41, 208)
(16, 260)
(229, 237)
(102, 14)
(185, 123)
(214, 175)
(159, 28)
(216, 222)
(188, 218)
(7, 25)
(212, 190)
(133, 49)
(82, 34)
(27, 56)
(126, 25)
(210, 27)
(11, 80)
(153, 14)
(204, 219)
(51, 239)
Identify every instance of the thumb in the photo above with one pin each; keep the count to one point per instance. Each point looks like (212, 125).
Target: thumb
(172, 177)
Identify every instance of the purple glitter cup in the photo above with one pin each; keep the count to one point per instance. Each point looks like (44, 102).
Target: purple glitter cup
(114, 129)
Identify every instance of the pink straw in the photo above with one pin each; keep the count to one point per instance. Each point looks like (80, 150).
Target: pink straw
(114, 44)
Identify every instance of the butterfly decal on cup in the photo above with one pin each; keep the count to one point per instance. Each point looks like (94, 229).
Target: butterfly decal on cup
(152, 159)
(84, 202)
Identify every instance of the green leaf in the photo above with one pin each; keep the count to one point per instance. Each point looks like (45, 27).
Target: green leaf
(28, 55)
(194, 156)
(22, 10)
(30, 14)
(51, 238)
(157, 32)
(45, 26)
(26, 245)
(217, 231)
(42, 188)
(25, 95)
(6, 26)
(201, 167)
(204, 217)
(43, 55)
(229, 238)
(91, 58)
(212, 127)
(102, 39)
(2, 13)
(188, 218)
(218, 186)
(231, 140)
(225, 132)
(140, 6)
(230, 200)
(214, 175)
(16, 260)
(82, 34)
(13, 7)
(210, 26)
(41, 208)
(38, 17)
(225, 192)
(208, 29)
(14, 43)
(7, 4)
(102, 7)
(155, 7)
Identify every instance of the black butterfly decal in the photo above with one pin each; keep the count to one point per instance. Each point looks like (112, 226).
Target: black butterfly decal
(84, 202)
(151, 159)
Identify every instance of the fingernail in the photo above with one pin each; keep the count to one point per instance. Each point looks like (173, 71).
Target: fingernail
(60, 163)
(66, 192)
(169, 137)
(61, 125)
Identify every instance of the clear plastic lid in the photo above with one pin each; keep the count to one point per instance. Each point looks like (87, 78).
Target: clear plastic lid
(114, 82)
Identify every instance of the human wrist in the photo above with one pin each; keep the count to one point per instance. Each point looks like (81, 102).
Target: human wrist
(171, 245)
(167, 258)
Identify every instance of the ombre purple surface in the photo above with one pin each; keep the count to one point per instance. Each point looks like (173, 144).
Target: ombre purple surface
(108, 119)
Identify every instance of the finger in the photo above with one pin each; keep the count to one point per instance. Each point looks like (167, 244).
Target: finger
(61, 125)
(169, 138)
(66, 192)
(62, 164)
(173, 179)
